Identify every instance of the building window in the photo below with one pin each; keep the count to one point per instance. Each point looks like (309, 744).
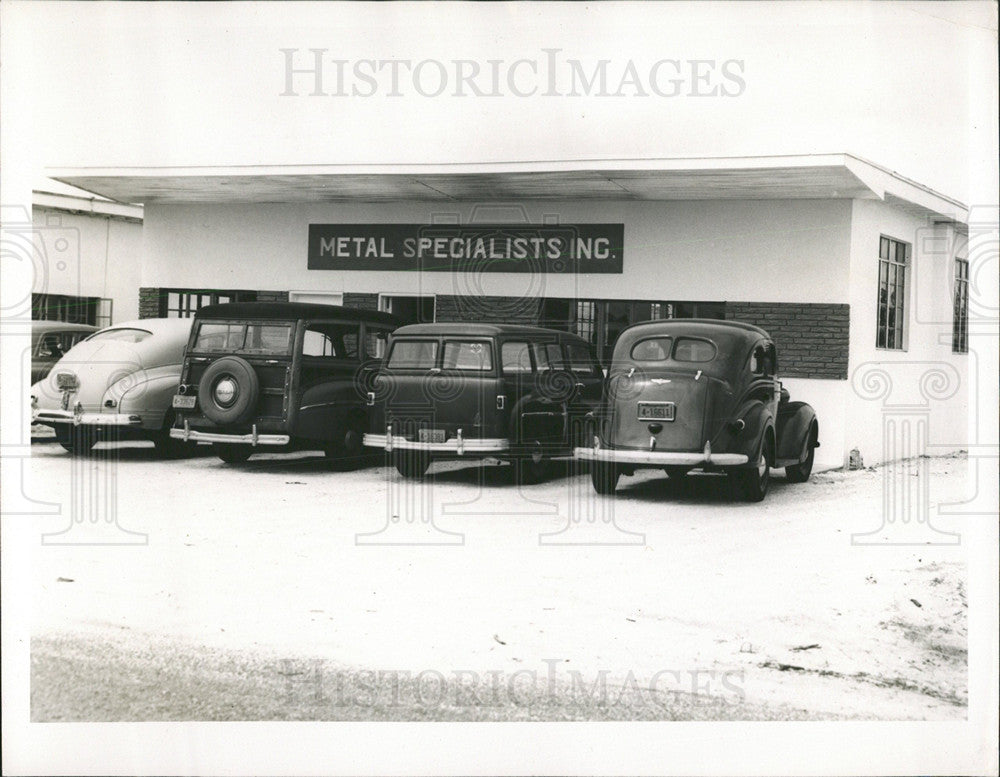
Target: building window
(184, 303)
(95, 311)
(960, 323)
(893, 258)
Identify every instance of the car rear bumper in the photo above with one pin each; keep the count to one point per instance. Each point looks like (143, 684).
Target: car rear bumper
(56, 417)
(660, 458)
(457, 446)
(187, 434)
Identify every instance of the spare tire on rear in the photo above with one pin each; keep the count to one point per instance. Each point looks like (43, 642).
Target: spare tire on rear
(228, 391)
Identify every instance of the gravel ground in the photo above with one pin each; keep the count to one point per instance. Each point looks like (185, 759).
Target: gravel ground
(280, 590)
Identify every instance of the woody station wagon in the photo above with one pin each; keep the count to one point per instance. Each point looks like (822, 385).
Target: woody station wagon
(685, 394)
(462, 390)
(279, 376)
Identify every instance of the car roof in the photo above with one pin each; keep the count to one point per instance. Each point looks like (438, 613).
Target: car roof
(156, 326)
(484, 330)
(293, 310)
(41, 327)
(697, 327)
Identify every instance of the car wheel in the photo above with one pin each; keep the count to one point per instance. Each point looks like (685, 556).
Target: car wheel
(232, 454)
(604, 476)
(411, 464)
(346, 452)
(228, 391)
(799, 473)
(753, 482)
(78, 440)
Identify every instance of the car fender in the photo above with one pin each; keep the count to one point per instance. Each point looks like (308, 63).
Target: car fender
(146, 393)
(759, 421)
(795, 420)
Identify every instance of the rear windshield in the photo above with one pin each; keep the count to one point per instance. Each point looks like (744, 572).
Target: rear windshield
(413, 354)
(122, 335)
(267, 339)
(653, 349)
(690, 350)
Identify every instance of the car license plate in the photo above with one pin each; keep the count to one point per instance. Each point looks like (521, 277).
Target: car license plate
(184, 402)
(656, 411)
(430, 435)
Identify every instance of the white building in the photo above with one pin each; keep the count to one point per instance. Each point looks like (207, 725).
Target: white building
(858, 273)
(88, 253)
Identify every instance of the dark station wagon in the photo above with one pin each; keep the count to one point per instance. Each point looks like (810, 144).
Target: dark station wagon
(279, 376)
(688, 393)
(518, 393)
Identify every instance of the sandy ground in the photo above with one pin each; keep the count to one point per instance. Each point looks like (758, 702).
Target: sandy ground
(281, 574)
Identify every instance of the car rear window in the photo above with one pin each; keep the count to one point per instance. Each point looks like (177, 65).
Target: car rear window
(267, 339)
(652, 349)
(125, 335)
(467, 355)
(413, 354)
(688, 349)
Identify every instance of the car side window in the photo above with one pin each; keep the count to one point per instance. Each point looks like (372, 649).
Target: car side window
(761, 361)
(467, 355)
(514, 357)
(548, 356)
(580, 360)
(375, 340)
(49, 347)
(331, 340)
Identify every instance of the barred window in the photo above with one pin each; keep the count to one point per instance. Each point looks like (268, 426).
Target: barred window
(960, 322)
(893, 258)
(184, 303)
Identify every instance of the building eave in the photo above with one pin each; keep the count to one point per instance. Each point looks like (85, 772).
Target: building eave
(814, 176)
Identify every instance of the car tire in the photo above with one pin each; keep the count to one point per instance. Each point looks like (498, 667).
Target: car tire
(232, 454)
(752, 483)
(604, 477)
(347, 451)
(799, 473)
(411, 464)
(77, 440)
(247, 385)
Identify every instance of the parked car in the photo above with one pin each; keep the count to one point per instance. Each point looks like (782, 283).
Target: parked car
(116, 384)
(685, 394)
(280, 376)
(50, 340)
(471, 390)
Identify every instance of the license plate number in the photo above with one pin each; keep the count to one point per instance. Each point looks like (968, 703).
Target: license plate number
(430, 435)
(184, 402)
(656, 411)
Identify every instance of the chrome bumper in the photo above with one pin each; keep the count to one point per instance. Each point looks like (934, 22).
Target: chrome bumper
(84, 419)
(659, 458)
(457, 446)
(190, 435)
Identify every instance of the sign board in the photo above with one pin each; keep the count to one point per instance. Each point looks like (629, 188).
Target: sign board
(531, 248)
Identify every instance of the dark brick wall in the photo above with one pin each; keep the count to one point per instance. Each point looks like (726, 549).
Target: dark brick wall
(505, 310)
(813, 341)
(360, 301)
(149, 303)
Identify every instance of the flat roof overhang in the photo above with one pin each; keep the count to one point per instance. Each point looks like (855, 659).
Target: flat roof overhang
(814, 176)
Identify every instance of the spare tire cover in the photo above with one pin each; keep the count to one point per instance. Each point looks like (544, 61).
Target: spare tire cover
(228, 391)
